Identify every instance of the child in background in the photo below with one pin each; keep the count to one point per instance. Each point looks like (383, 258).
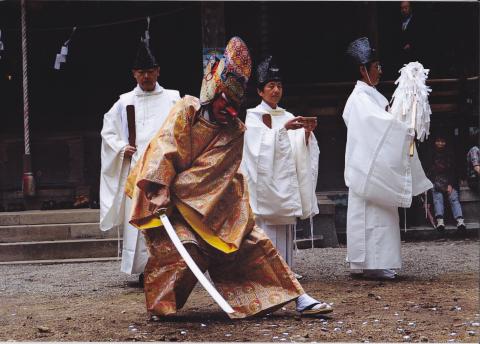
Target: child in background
(442, 175)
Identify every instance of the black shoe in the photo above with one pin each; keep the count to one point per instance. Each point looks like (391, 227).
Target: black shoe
(94, 204)
(141, 280)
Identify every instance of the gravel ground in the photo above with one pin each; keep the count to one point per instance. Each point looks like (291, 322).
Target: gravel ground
(436, 300)
(422, 260)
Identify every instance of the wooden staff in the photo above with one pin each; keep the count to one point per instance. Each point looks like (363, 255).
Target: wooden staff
(414, 118)
(132, 134)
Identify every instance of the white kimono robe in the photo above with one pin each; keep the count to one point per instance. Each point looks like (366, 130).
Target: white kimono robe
(381, 177)
(151, 109)
(281, 171)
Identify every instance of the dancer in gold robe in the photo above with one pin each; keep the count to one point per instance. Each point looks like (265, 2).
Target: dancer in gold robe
(191, 166)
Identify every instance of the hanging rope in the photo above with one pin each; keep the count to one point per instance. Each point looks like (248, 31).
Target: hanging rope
(26, 127)
(119, 22)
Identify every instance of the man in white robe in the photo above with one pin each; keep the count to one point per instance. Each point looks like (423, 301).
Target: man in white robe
(152, 104)
(379, 172)
(280, 160)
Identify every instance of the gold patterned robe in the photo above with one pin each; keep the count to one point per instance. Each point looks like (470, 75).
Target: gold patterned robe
(199, 162)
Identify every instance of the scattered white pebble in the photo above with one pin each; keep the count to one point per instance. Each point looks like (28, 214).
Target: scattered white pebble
(133, 330)
(400, 330)
(275, 337)
(433, 309)
(183, 332)
(475, 324)
(411, 324)
(376, 320)
(203, 325)
(285, 333)
(396, 314)
(450, 340)
(339, 322)
(365, 322)
(13, 314)
(400, 320)
(349, 332)
(284, 309)
(453, 333)
(471, 333)
(273, 325)
(386, 307)
(406, 338)
(228, 334)
(336, 329)
(283, 339)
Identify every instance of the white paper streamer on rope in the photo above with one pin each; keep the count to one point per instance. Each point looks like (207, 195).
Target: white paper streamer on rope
(62, 57)
(2, 47)
(410, 99)
(147, 31)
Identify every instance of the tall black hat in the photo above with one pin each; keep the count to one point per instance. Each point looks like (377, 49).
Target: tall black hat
(361, 52)
(267, 70)
(145, 58)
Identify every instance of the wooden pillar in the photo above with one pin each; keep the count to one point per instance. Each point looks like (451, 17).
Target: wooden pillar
(372, 23)
(263, 25)
(213, 27)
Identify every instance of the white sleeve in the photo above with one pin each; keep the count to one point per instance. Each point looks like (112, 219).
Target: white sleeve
(114, 169)
(270, 169)
(377, 165)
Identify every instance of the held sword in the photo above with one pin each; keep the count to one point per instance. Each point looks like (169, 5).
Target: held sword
(161, 213)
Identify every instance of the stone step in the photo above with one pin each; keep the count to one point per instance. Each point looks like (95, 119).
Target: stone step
(62, 261)
(51, 232)
(60, 249)
(38, 217)
(323, 225)
(429, 233)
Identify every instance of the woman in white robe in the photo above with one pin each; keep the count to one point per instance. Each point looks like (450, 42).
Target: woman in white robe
(280, 160)
(152, 104)
(379, 172)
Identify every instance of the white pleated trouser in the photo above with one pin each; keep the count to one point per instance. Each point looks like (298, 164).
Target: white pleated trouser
(282, 238)
(373, 235)
(134, 252)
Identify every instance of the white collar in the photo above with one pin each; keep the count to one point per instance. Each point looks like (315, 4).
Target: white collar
(265, 107)
(365, 87)
(141, 93)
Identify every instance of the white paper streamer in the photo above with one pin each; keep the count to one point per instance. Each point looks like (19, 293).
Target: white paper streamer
(62, 57)
(410, 99)
(147, 31)
(2, 47)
